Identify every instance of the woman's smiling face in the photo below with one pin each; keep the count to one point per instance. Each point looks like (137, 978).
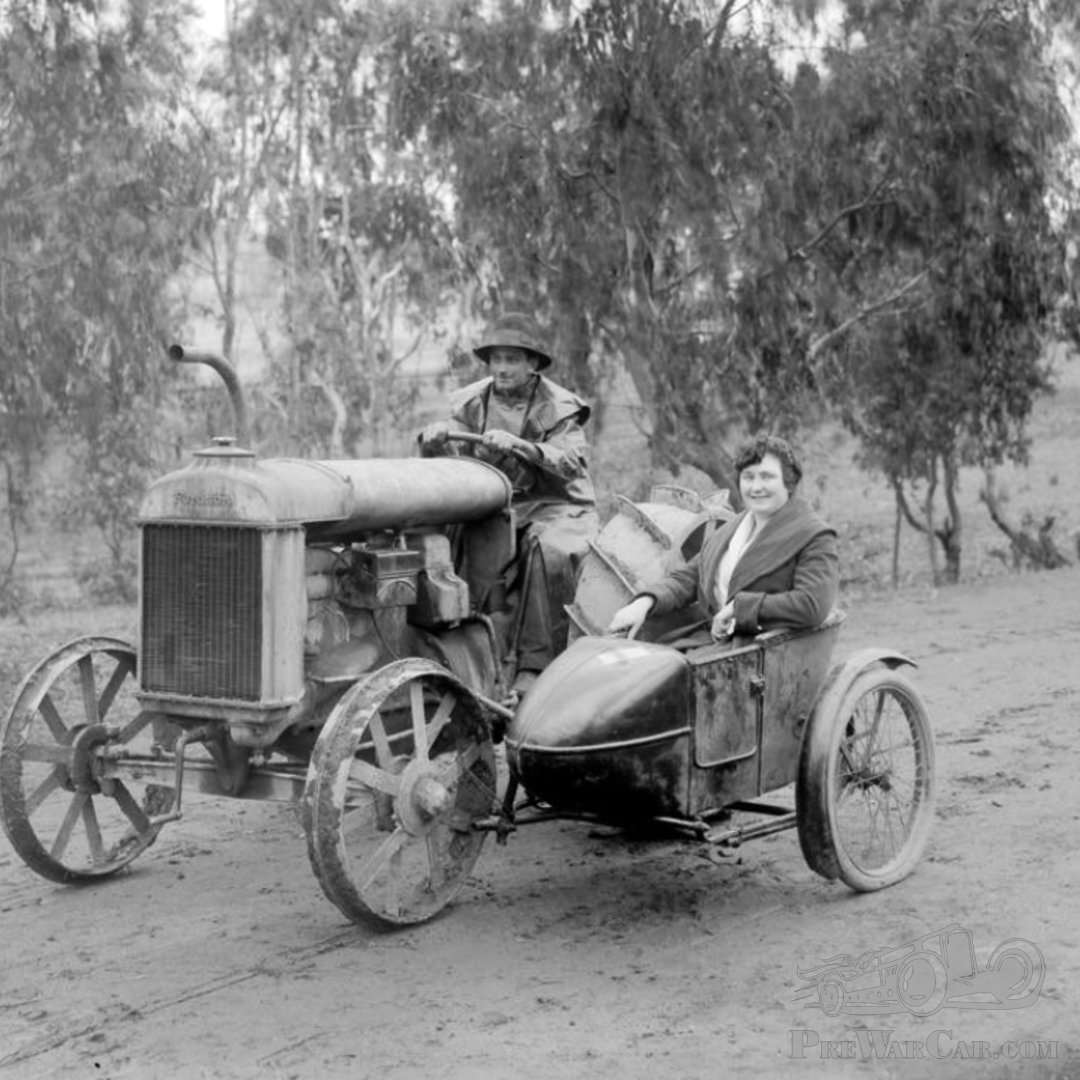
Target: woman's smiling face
(762, 487)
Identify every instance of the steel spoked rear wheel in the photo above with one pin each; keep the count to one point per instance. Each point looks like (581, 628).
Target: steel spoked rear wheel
(402, 769)
(68, 815)
(866, 783)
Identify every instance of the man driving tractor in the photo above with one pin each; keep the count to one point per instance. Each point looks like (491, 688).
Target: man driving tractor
(533, 430)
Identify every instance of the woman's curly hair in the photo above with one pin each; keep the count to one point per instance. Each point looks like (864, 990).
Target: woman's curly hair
(753, 452)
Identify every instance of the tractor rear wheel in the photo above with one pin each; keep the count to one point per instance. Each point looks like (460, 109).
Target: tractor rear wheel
(402, 769)
(67, 814)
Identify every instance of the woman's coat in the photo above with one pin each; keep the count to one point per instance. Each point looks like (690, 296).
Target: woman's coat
(787, 578)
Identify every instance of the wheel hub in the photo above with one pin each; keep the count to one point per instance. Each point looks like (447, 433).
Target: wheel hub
(84, 776)
(423, 798)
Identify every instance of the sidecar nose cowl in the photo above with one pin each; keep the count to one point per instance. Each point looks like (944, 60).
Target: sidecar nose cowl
(605, 727)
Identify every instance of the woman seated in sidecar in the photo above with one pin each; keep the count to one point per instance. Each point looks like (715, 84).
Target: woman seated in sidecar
(773, 566)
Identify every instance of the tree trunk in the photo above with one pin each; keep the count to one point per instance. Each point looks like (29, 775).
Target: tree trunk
(951, 531)
(1038, 551)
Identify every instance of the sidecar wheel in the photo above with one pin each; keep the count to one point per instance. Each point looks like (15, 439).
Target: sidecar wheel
(865, 786)
(66, 815)
(402, 769)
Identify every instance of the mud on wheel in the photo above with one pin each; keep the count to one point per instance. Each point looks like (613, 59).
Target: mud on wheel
(402, 769)
(68, 813)
(865, 784)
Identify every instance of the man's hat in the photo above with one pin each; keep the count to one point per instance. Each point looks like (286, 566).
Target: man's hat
(514, 331)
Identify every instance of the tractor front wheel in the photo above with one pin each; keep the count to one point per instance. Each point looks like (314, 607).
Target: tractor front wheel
(66, 812)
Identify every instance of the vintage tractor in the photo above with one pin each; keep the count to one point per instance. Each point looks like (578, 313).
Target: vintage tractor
(321, 632)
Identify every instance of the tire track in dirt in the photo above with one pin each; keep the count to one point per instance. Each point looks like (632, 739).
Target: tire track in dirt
(269, 967)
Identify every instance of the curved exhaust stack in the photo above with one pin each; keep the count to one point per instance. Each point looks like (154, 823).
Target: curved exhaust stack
(180, 355)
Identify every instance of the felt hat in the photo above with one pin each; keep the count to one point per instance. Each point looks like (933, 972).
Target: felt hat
(514, 331)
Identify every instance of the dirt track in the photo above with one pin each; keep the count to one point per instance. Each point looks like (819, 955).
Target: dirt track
(578, 955)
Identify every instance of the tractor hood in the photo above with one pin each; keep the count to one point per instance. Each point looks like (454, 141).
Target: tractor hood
(226, 485)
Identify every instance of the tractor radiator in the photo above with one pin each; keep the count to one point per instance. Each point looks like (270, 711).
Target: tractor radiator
(215, 601)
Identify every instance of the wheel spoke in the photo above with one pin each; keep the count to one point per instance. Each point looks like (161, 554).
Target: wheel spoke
(419, 720)
(461, 769)
(51, 715)
(93, 833)
(132, 810)
(373, 777)
(383, 753)
(132, 729)
(74, 812)
(124, 667)
(58, 755)
(879, 708)
(441, 717)
(51, 783)
(89, 689)
(382, 858)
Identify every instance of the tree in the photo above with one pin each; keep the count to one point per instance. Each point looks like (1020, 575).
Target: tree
(358, 236)
(961, 127)
(870, 233)
(95, 204)
(598, 155)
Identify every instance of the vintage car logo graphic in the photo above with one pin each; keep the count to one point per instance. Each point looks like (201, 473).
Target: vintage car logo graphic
(938, 971)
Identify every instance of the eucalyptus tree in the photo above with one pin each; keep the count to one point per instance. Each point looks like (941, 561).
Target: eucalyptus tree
(955, 108)
(759, 242)
(346, 215)
(96, 203)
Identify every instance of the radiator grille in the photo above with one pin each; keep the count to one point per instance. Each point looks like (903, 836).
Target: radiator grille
(201, 611)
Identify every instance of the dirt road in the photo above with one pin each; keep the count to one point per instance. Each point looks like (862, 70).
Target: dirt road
(577, 955)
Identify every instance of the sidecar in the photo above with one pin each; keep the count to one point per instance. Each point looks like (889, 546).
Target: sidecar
(692, 737)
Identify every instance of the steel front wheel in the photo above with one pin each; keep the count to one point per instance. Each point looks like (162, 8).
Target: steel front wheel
(866, 782)
(67, 814)
(402, 769)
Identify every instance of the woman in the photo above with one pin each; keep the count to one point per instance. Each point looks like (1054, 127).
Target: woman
(774, 565)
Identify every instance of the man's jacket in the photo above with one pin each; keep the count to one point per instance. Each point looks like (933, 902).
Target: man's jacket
(554, 422)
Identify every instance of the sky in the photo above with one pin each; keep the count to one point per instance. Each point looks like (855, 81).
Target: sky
(211, 18)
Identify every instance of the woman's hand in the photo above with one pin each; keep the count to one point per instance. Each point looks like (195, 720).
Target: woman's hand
(723, 624)
(631, 617)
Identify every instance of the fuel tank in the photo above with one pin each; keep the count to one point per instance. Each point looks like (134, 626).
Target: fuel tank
(605, 730)
(334, 499)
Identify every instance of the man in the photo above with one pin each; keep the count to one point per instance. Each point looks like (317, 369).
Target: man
(533, 430)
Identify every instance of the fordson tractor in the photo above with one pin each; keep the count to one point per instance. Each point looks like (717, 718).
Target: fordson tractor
(321, 632)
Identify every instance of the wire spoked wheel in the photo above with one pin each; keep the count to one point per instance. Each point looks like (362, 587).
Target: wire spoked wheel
(67, 813)
(866, 782)
(402, 769)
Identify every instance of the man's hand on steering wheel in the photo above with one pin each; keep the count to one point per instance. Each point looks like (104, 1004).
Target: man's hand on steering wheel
(504, 442)
(434, 436)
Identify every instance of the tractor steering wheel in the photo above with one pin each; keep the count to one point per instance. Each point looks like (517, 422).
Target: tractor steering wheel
(477, 440)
